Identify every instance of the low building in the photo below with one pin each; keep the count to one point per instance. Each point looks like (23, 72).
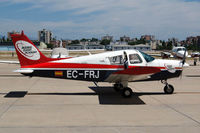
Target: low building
(107, 37)
(125, 39)
(75, 47)
(140, 47)
(95, 46)
(82, 47)
(56, 43)
(148, 37)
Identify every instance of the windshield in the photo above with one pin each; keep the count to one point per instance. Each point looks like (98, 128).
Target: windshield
(181, 49)
(147, 57)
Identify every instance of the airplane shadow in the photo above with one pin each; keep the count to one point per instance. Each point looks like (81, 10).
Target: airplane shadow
(193, 76)
(21, 94)
(107, 95)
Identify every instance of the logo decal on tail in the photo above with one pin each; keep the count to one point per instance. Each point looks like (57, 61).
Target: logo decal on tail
(27, 50)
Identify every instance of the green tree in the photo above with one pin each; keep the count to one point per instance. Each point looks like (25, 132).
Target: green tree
(132, 43)
(3, 39)
(8, 40)
(169, 46)
(49, 45)
(141, 41)
(105, 42)
(83, 40)
(75, 42)
(94, 40)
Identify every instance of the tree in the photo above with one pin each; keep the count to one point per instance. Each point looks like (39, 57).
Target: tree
(132, 43)
(164, 45)
(75, 42)
(3, 39)
(105, 42)
(94, 40)
(83, 40)
(141, 41)
(49, 45)
(169, 45)
(8, 40)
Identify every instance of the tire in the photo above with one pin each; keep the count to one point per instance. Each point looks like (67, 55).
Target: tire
(127, 92)
(169, 89)
(118, 87)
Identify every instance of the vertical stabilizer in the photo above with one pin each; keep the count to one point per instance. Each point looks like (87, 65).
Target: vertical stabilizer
(27, 52)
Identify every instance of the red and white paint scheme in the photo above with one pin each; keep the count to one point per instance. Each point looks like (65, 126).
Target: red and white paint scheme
(118, 67)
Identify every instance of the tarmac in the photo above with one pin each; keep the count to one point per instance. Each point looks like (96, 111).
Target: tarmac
(30, 105)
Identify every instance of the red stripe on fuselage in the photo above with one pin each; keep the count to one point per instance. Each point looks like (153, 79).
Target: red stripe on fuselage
(138, 70)
(73, 65)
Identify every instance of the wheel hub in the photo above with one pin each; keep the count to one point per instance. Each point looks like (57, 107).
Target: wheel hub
(127, 93)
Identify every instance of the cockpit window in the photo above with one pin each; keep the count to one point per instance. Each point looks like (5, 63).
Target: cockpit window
(181, 49)
(147, 57)
(116, 60)
(135, 58)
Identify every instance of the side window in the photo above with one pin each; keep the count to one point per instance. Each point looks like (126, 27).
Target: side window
(116, 60)
(135, 58)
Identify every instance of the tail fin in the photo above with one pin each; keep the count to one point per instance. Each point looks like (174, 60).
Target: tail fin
(27, 52)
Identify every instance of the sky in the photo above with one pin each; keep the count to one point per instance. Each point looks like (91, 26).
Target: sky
(76, 19)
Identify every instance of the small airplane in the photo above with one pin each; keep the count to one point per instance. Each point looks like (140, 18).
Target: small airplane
(176, 52)
(118, 67)
(179, 52)
(60, 52)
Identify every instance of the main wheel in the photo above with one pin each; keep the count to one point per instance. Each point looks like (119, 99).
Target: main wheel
(127, 92)
(118, 86)
(168, 89)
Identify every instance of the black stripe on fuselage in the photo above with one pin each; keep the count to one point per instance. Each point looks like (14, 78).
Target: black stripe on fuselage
(85, 75)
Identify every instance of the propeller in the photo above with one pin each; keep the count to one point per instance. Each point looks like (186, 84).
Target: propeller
(183, 62)
(184, 58)
(125, 60)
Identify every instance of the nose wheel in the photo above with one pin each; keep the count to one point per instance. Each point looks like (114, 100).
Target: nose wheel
(168, 89)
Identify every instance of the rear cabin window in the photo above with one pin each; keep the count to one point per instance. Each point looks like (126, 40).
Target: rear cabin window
(135, 59)
(116, 60)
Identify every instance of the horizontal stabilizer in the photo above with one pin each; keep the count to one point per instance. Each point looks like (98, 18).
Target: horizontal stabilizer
(24, 71)
(9, 62)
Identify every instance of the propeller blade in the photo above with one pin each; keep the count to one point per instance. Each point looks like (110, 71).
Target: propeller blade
(184, 58)
(183, 62)
(125, 60)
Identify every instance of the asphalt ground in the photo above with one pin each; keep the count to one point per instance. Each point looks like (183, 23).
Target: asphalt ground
(30, 105)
